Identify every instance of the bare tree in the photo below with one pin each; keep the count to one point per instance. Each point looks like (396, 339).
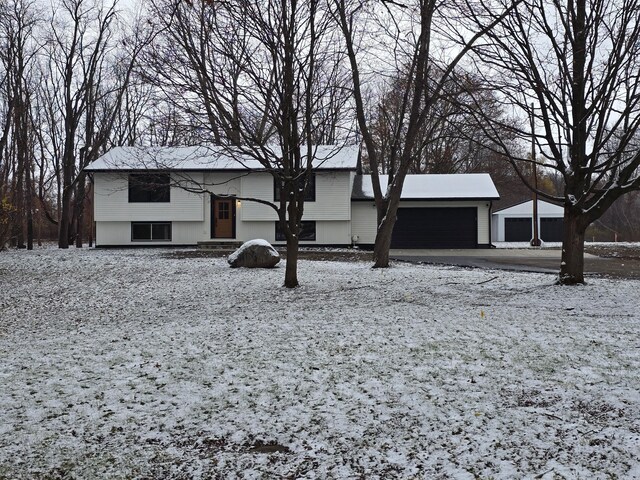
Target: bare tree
(87, 73)
(574, 68)
(17, 27)
(411, 29)
(263, 78)
(449, 141)
(620, 221)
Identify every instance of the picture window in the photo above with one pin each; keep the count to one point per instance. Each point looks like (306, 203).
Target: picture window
(149, 188)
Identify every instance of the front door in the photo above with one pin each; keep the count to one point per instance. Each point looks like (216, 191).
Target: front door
(223, 218)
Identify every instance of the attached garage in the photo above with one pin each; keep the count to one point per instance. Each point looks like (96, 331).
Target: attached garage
(436, 211)
(436, 228)
(515, 223)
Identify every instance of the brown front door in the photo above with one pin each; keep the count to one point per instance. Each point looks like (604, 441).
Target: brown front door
(223, 220)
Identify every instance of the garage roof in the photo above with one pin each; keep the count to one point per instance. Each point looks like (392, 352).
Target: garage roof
(459, 186)
(526, 208)
(205, 158)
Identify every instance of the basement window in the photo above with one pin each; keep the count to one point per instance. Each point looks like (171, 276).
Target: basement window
(150, 231)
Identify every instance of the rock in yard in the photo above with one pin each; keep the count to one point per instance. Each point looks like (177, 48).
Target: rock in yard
(254, 254)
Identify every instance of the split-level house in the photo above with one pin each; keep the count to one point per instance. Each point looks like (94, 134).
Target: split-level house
(153, 196)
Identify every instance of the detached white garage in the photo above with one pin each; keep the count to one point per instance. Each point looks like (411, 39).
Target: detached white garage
(515, 223)
(436, 211)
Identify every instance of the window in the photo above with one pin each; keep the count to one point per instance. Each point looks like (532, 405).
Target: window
(149, 187)
(307, 232)
(310, 194)
(150, 231)
(224, 211)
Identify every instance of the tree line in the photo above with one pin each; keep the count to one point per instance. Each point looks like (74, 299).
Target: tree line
(521, 89)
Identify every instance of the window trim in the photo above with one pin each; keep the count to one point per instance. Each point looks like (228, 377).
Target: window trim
(310, 195)
(139, 182)
(280, 236)
(151, 224)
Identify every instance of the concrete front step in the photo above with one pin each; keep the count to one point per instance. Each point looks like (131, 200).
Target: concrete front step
(214, 245)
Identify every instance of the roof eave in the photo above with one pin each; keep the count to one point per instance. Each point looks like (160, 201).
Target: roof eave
(246, 170)
(432, 199)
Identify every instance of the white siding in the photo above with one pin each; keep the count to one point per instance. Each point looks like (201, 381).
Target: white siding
(363, 222)
(333, 197)
(499, 232)
(484, 224)
(223, 183)
(364, 217)
(496, 236)
(111, 202)
(333, 233)
(119, 233)
(260, 186)
(253, 230)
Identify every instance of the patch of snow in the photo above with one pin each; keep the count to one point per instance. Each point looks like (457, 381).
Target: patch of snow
(559, 244)
(325, 157)
(251, 243)
(137, 364)
(519, 245)
(437, 186)
(615, 244)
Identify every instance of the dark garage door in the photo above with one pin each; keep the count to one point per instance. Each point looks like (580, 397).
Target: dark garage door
(435, 228)
(551, 229)
(517, 229)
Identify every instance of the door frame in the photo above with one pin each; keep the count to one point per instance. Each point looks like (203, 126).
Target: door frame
(232, 201)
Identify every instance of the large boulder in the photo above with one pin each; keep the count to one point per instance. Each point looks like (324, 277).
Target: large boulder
(254, 254)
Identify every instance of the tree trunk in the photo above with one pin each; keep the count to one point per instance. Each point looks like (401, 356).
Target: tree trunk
(29, 208)
(39, 226)
(385, 230)
(65, 218)
(291, 272)
(383, 243)
(18, 233)
(572, 264)
(64, 222)
(80, 210)
(29, 226)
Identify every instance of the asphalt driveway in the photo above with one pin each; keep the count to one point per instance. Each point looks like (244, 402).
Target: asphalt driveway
(545, 260)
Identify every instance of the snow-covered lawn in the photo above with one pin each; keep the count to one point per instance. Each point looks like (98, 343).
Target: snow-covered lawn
(609, 245)
(133, 364)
